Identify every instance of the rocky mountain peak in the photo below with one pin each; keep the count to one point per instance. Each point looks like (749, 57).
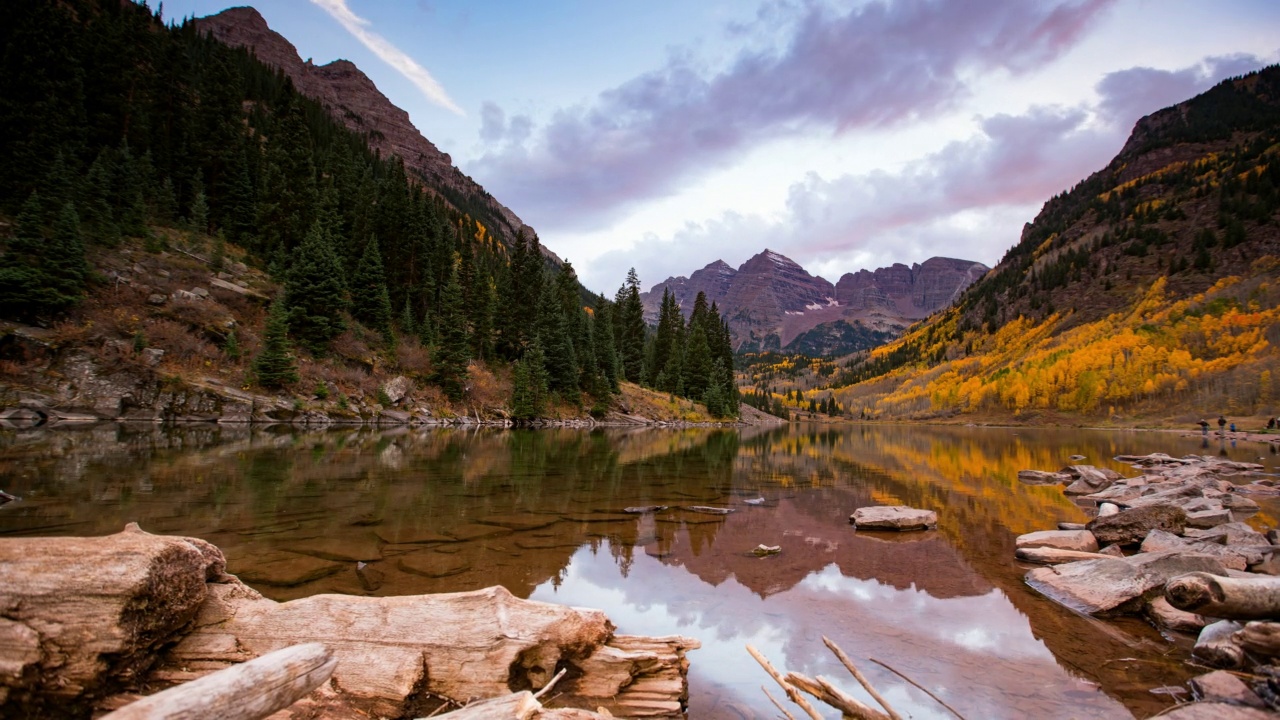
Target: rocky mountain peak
(353, 99)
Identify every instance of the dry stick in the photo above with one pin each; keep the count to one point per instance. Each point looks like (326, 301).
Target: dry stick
(829, 694)
(793, 694)
(922, 688)
(547, 688)
(857, 674)
(777, 704)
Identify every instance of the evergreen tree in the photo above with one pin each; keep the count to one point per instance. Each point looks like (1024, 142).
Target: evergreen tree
(198, 215)
(39, 275)
(231, 348)
(630, 328)
(553, 332)
(370, 301)
(274, 366)
(96, 201)
(451, 352)
(697, 364)
(602, 334)
(315, 293)
(530, 384)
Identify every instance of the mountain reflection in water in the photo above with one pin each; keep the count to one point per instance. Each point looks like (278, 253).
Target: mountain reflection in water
(542, 512)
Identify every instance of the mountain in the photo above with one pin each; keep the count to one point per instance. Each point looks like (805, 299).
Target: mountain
(1149, 289)
(353, 99)
(771, 302)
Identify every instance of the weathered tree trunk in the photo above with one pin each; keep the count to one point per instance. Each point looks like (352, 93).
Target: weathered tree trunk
(80, 617)
(250, 691)
(1225, 597)
(1260, 639)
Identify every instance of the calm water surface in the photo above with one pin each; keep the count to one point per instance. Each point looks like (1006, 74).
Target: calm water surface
(540, 512)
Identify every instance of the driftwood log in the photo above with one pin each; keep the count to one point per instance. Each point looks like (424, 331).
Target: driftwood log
(1225, 597)
(249, 691)
(81, 616)
(1259, 639)
(84, 622)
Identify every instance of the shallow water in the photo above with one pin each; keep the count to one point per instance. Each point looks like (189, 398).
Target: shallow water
(541, 512)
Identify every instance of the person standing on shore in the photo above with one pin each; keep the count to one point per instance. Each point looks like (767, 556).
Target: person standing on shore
(1204, 427)
(1222, 425)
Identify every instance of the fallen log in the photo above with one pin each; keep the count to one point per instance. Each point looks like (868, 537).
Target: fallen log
(249, 691)
(84, 616)
(1260, 639)
(1225, 597)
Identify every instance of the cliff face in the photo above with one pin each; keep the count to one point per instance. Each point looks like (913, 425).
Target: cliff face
(914, 292)
(353, 99)
(771, 302)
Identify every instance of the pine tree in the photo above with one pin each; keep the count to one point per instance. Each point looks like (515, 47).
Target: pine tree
(370, 301)
(198, 215)
(231, 348)
(274, 366)
(41, 276)
(451, 352)
(530, 385)
(553, 332)
(630, 328)
(315, 292)
(602, 335)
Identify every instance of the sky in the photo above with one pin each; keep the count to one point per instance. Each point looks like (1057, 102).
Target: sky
(846, 135)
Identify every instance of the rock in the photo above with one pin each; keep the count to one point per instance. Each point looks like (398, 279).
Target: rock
(1115, 585)
(1078, 540)
(82, 616)
(1233, 533)
(200, 292)
(1107, 509)
(1239, 503)
(1216, 647)
(1112, 551)
(394, 417)
(1054, 556)
(156, 299)
(237, 289)
(152, 356)
(1041, 477)
(396, 388)
(893, 517)
(1070, 526)
(1208, 518)
(1158, 540)
(1222, 686)
(1168, 616)
(641, 509)
(1131, 526)
(1088, 479)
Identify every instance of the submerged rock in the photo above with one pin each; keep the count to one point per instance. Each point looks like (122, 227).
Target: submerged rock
(1078, 540)
(893, 517)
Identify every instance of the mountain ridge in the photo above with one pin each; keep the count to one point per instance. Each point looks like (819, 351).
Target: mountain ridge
(771, 302)
(353, 99)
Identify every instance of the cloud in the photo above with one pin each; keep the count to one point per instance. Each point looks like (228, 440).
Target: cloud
(877, 65)
(388, 53)
(969, 200)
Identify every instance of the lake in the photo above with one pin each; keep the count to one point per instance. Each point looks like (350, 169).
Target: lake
(541, 512)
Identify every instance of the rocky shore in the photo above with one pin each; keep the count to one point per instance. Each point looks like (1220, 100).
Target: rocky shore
(1169, 544)
(93, 624)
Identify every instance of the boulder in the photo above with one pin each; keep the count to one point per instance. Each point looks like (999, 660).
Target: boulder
(1041, 477)
(1078, 540)
(1167, 616)
(397, 387)
(1233, 533)
(1088, 479)
(1208, 518)
(1054, 556)
(1131, 526)
(893, 517)
(1158, 540)
(1216, 647)
(1222, 686)
(1116, 585)
(1107, 508)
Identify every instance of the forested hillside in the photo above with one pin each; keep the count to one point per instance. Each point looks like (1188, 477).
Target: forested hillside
(141, 163)
(1149, 289)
